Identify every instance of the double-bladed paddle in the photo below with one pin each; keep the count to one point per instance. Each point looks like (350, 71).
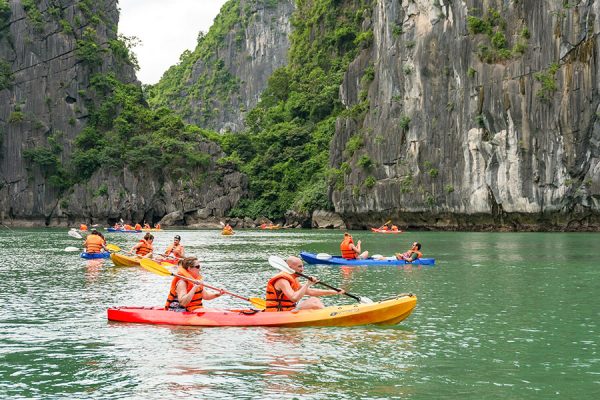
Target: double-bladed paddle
(280, 264)
(158, 269)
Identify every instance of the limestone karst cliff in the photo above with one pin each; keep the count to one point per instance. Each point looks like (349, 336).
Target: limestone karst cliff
(74, 143)
(473, 115)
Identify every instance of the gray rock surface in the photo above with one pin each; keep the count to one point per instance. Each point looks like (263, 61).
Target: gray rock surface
(460, 143)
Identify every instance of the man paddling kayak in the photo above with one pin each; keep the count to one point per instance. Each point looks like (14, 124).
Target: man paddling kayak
(185, 295)
(175, 251)
(284, 291)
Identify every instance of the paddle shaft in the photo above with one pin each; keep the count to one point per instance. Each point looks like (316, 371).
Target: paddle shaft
(185, 278)
(330, 287)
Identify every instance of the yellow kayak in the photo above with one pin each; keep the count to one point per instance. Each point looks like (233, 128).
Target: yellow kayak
(227, 233)
(121, 260)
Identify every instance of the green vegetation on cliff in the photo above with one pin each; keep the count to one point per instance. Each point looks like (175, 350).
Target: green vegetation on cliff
(178, 87)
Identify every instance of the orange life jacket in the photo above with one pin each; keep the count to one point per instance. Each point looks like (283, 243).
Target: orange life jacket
(144, 249)
(83, 227)
(138, 227)
(176, 250)
(394, 228)
(277, 300)
(172, 298)
(347, 252)
(93, 244)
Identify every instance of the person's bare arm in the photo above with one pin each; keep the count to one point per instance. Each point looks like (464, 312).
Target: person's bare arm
(284, 286)
(322, 292)
(183, 295)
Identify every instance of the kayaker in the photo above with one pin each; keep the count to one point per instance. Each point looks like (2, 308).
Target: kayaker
(350, 251)
(227, 229)
(94, 242)
(138, 227)
(185, 295)
(83, 227)
(412, 254)
(175, 249)
(146, 226)
(144, 247)
(284, 291)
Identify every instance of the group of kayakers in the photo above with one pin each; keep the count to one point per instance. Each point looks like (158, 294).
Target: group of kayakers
(284, 292)
(145, 248)
(125, 227)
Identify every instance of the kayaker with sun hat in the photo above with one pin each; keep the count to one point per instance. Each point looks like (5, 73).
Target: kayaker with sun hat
(284, 291)
(185, 295)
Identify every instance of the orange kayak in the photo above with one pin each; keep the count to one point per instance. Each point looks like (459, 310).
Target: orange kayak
(385, 312)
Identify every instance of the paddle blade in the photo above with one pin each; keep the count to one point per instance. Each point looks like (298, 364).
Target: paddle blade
(154, 267)
(73, 233)
(323, 256)
(222, 224)
(280, 264)
(366, 300)
(71, 249)
(113, 247)
(261, 304)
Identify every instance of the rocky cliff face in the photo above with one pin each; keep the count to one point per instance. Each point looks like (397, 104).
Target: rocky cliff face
(49, 50)
(479, 114)
(232, 68)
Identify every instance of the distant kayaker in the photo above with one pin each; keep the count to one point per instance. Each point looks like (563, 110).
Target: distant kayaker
(351, 251)
(94, 243)
(175, 249)
(185, 295)
(412, 254)
(138, 227)
(227, 230)
(144, 247)
(83, 227)
(146, 226)
(284, 290)
(157, 227)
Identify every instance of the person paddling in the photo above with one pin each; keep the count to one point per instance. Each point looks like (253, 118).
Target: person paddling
(175, 249)
(412, 254)
(94, 242)
(185, 295)
(284, 291)
(144, 247)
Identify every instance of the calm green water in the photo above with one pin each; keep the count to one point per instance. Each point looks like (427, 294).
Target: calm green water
(501, 316)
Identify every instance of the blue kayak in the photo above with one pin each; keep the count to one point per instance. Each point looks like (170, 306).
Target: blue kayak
(122, 230)
(326, 259)
(92, 256)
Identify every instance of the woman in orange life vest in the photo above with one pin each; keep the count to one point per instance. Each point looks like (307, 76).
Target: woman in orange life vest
(412, 254)
(94, 243)
(175, 249)
(350, 251)
(284, 291)
(144, 247)
(185, 295)
(138, 227)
